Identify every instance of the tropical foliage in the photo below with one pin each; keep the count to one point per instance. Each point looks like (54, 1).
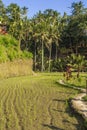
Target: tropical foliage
(49, 36)
(9, 49)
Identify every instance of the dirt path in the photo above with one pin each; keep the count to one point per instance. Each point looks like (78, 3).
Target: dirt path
(77, 102)
(79, 105)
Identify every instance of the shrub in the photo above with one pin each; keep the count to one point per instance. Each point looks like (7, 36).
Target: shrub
(26, 54)
(85, 98)
(9, 49)
(59, 65)
(12, 54)
(8, 41)
(3, 54)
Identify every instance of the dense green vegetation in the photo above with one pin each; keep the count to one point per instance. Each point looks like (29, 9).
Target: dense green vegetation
(85, 98)
(9, 49)
(78, 82)
(37, 103)
(48, 35)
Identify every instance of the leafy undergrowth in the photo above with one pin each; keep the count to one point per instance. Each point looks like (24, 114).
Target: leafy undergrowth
(85, 98)
(36, 103)
(9, 49)
(77, 82)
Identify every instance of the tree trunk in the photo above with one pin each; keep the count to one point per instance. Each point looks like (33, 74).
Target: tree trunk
(76, 50)
(50, 58)
(19, 47)
(42, 68)
(35, 60)
(78, 73)
(71, 45)
(56, 52)
(86, 86)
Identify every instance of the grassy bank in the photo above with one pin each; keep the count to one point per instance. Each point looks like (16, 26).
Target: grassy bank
(36, 103)
(16, 68)
(77, 82)
(10, 51)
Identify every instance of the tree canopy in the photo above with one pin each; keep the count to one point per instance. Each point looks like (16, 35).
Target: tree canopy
(49, 36)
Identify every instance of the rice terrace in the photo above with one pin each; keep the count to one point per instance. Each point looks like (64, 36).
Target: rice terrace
(43, 65)
(36, 103)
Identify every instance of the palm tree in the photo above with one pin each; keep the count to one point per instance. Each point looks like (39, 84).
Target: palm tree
(24, 11)
(3, 16)
(80, 61)
(35, 39)
(49, 46)
(18, 22)
(57, 37)
(53, 31)
(77, 61)
(13, 12)
(42, 34)
(77, 8)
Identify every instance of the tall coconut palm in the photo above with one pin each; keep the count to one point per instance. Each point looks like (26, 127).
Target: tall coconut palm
(53, 31)
(77, 8)
(13, 12)
(57, 35)
(42, 33)
(17, 21)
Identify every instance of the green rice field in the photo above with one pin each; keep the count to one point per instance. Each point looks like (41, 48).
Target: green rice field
(37, 103)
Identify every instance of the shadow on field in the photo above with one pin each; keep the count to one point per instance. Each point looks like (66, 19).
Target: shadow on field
(68, 85)
(72, 113)
(52, 127)
(59, 100)
(66, 92)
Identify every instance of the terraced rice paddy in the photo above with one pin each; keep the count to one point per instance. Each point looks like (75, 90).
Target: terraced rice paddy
(36, 103)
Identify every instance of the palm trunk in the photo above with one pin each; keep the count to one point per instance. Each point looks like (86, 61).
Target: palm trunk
(71, 45)
(50, 58)
(76, 49)
(19, 44)
(35, 60)
(86, 86)
(26, 44)
(56, 52)
(78, 72)
(42, 69)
